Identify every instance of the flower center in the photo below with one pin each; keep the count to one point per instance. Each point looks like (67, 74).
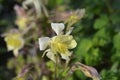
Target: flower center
(59, 44)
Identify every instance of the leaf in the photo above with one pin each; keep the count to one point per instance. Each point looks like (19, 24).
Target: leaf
(92, 57)
(101, 37)
(101, 22)
(116, 56)
(114, 18)
(116, 41)
(65, 72)
(50, 65)
(83, 46)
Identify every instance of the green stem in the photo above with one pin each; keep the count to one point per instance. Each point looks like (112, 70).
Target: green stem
(56, 68)
(55, 76)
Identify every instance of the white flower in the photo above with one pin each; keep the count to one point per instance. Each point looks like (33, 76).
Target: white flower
(59, 44)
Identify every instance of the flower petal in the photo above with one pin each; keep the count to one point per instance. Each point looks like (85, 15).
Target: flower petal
(73, 44)
(57, 27)
(51, 56)
(64, 56)
(70, 30)
(15, 52)
(14, 41)
(43, 42)
(46, 51)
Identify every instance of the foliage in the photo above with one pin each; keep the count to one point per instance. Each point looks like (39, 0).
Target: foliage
(97, 35)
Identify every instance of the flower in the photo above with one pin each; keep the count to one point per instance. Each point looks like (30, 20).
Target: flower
(22, 18)
(59, 44)
(69, 17)
(38, 4)
(87, 70)
(22, 23)
(14, 42)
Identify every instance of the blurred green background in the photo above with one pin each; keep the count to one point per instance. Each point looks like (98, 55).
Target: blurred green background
(97, 35)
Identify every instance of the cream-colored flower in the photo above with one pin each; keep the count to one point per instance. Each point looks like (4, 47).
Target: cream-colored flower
(22, 23)
(14, 42)
(22, 18)
(59, 44)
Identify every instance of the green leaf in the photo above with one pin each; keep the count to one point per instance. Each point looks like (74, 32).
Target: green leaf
(65, 72)
(116, 56)
(83, 47)
(114, 18)
(50, 65)
(116, 41)
(101, 22)
(92, 57)
(80, 75)
(101, 37)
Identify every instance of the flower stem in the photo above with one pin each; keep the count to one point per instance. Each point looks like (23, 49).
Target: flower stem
(55, 72)
(56, 68)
